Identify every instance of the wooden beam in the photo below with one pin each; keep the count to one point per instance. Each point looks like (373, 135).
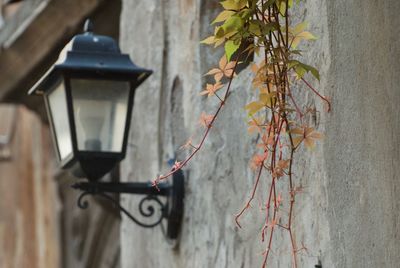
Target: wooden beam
(36, 49)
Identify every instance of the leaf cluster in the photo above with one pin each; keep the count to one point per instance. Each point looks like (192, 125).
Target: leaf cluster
(263, 27)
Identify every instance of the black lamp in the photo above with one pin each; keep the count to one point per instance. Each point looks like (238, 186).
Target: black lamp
(89, 95)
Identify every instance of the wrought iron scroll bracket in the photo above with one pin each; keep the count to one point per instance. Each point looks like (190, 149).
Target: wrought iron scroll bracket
(171, 210)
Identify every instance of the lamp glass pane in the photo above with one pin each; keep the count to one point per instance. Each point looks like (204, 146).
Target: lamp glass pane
(57, 102)
(100, 111)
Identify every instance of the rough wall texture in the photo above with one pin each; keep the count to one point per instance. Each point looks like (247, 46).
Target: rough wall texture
(349, 212)
(362, 152)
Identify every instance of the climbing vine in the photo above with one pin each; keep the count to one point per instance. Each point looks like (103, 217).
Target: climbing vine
(263, 28)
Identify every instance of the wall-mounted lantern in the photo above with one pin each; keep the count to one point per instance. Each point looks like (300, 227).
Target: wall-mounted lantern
(89, 95)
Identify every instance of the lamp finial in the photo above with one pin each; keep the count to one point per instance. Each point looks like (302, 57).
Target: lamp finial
(88, 27)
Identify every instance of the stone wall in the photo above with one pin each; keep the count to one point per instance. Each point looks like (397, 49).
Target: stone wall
(349, 212)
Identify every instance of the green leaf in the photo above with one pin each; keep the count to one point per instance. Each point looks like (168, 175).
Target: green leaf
(282, 8)
(269, 27)
(219, 33)
(245, 14)
(314, 72)
(223, 16)
(230, 48)
(293, 63)
(254, 28)
(268, 4)
(301, 69)
(259, 28)
(232, 24)
(297, 52)
(311, 69)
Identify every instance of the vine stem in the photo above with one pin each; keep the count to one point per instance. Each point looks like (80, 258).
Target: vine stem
(277, 53)
(248, 203)
(255, 186)
(205, 135)
(318, 94)
(298, 111)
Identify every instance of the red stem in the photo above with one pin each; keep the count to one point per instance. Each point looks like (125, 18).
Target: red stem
(319, 95)
(221, 104)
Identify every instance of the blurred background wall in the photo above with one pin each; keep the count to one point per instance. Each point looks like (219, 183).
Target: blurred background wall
(29, 207)
(40, 224)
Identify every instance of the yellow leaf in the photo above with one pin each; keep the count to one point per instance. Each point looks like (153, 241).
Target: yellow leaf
(254, 107)
(234, 4)
(223, 16)
(301, 36)
(307, 36)
(219, 42)
(267, 98)
(298, 28)
(209, 40)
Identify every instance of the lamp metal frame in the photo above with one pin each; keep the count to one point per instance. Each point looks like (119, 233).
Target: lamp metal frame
(97, 57)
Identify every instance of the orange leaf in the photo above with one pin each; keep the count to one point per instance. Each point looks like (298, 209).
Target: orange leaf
(206, 119)
(188, 144)
(213, 71)
(308, 136)
(297, 141)
(258, 160)
(297, 131)
(218, 76)
(211, 89)
(225, 69)
(255, 124)
(283, 163)
(222, 62)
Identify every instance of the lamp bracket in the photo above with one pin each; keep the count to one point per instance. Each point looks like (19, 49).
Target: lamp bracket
(171, 210)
